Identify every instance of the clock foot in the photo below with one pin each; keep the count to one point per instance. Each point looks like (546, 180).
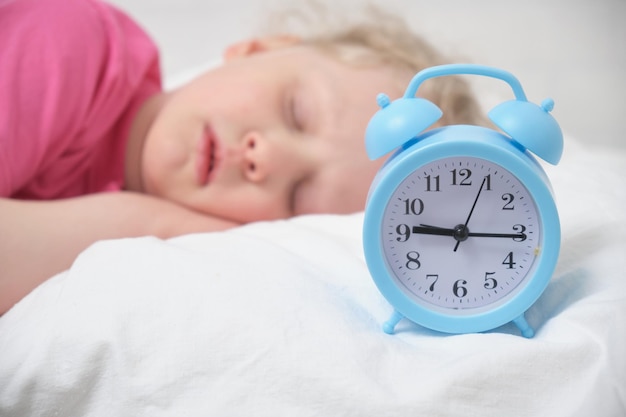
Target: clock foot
(390, 325)
(524, 327)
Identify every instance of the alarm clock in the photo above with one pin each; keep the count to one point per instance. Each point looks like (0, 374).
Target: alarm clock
(461, 231)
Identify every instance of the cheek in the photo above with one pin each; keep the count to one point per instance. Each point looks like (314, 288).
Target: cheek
(166, 156)
(240, 204)
(340, 191)
(252, 100)
(242, 100)
(154, 165)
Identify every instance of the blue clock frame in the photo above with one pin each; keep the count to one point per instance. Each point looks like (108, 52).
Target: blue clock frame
(527, 127)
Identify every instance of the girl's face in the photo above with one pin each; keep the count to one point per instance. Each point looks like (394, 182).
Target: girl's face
(267, 136)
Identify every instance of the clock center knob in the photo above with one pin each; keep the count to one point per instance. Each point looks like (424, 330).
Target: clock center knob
(461, 232)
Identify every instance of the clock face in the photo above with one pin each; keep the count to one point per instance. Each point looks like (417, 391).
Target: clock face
(461, 235)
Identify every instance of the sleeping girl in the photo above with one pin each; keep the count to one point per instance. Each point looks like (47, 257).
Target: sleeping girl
(92, 147)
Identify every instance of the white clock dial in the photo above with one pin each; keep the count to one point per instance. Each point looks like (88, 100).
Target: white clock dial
(461, 234)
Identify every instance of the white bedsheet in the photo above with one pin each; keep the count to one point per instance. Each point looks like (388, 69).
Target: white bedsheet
(282, 319)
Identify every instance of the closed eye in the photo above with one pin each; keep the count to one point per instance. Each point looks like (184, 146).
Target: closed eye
(295, 111)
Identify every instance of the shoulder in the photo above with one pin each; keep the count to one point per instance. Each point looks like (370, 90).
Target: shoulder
(67, 66)
(63, 53)
(48, 20)
(65, 30)
(70, 56)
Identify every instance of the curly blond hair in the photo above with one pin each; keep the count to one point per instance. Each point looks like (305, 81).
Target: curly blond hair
(379, 38)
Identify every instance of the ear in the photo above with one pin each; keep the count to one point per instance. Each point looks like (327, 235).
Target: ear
(251, 46)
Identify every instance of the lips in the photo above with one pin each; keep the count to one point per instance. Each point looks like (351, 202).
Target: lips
(206, 162)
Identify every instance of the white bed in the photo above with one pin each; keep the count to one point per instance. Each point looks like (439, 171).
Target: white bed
(282, 319)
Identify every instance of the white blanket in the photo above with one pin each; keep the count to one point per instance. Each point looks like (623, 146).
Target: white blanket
(282, 319)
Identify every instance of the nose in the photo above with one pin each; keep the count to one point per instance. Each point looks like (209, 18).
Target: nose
(255, 163)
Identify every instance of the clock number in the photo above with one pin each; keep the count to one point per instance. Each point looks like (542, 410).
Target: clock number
(490, 282)
(432, 183)
(464, 174)
(413, 262)
(436, 278)
(414, 206)
(508, 199)
(519, 228)
(487, 186)
(458, 288)
(509, 261)
(404, 231)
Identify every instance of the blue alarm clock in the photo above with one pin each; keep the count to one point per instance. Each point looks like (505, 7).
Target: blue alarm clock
(461, 231)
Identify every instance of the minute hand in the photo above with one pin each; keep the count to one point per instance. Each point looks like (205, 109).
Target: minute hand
(442, 231)
(506, 235)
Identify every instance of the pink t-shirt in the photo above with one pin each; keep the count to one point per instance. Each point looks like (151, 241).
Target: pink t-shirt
(72, 75)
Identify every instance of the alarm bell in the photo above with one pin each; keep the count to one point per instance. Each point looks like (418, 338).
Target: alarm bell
(397, 122)
(532, 126)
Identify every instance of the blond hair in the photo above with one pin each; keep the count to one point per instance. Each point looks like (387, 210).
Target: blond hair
(382, 39)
